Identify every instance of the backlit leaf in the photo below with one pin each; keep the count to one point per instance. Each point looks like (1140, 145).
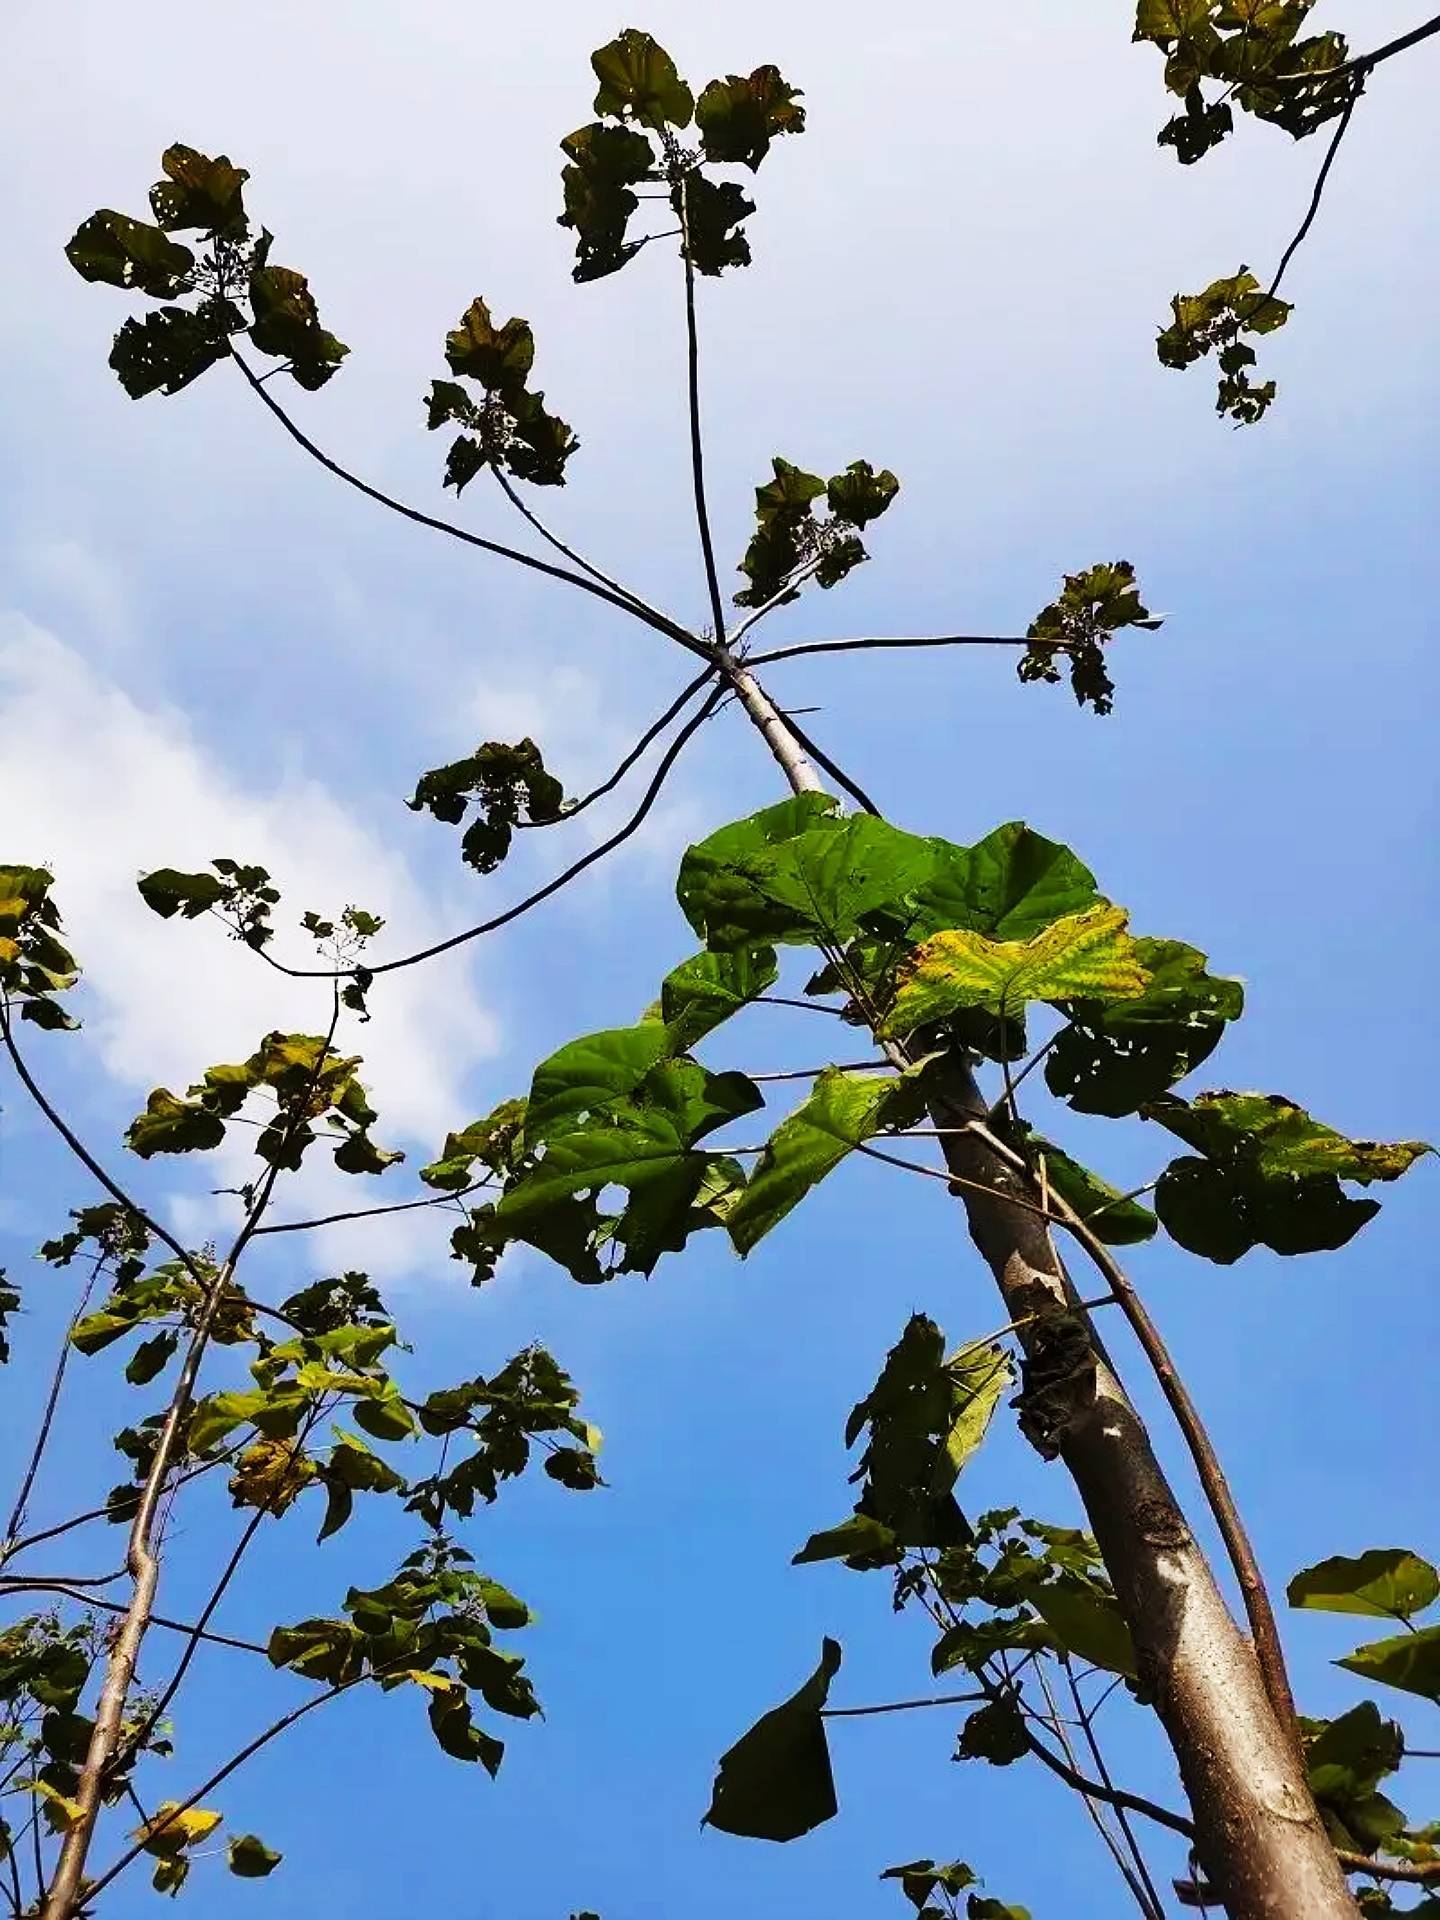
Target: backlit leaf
(1410, 1661)
(121, 252)
(250, 1858)
(1386, 1581)
(1087, 1622)
(1086, 954)
(775, 1783)
(740, 115)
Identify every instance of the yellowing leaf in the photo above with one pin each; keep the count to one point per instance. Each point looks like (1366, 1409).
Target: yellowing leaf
(1084, 954)
(169, 1832)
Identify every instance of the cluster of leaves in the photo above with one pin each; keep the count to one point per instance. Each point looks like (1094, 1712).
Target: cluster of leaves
(241, 895)
(174, 344)
(508, 785)
(644, 106)
(508, 426)
(1250, 54)
(432, 1627)
(303, 1078)
(934, 1891)
(925, 1415)
(34, 966)
(791, 544)
(1213, 322)
(1350, 1756)
(1091, 609)
(173, 1831)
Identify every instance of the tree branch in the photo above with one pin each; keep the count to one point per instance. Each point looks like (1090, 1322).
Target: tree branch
(156, 1619)
(369, 1213)
(1316, 196)
(47, 1418)
(1362, 63)
(658, 621)
(905, 640)
(572, 872)
(697, 449)
(651, 615)
(902, 1706)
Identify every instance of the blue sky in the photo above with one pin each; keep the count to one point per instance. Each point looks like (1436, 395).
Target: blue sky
(205, 647)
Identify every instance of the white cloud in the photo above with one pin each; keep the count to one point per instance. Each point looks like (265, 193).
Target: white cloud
(101, 789)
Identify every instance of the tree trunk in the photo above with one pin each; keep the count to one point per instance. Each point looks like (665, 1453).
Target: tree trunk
(1259, 1837)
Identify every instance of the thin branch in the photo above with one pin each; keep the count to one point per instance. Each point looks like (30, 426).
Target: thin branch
(573, 871)
(272, 1732)
(1122, 1818)
(82, 1153)
(652, 615)
(697, 449)
(1364, 62)
(108, 1511)
(156, 1619)
(1151, 1909)
(47, 1418)
(650, 735)
(813, 1073)
(1418, 1873)
(1316, 196)
(781, 594)
(902, 1706)
(658, 621)
(1269, 1651)
(903, 640)
(856, 792)
(369, 1213)
(805, 1006)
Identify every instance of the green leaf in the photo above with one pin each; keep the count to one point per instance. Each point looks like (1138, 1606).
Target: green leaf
(740, 115)
(638, 81)
(494, 1141)
(1410, 1661)
(168, 349)
(171, 1125)
(982, 1907)
(1270, 1176)
(1011, 885)
(168, 892)
(995, 1733)
(500, 358)
(1385, 1582)
(1346, 1759)
(591, 1076)
(859, 494)
(287, 323)
(813, 888)
(1087, 1622)
(199, 192)
(358, 1153)
(860, 1541)
(775, 1783)
(704, 991)
(712, 212)
(841, 1111)
(1086, 953)
(127, 253)
(151, 1357)
(1111, 1216)
(456, 1733)
(250, 1858)
(331, 1651)
(605, 162)
(926, 1416)
(1112, 1059)
(504, 781)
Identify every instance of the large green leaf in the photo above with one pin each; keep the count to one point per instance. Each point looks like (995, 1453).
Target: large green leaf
(199, 192)
(704, 991)
(1270, 1176)
(168, 349)
(604, 163)
(775, 1783)
(740, 115)
(752, 882)
(639, 81)
(712, 213)
(121, 252)
(1112, 1058)
(1410, 1661)
(1011, 885)
(172, 1125)
(1086, 953)
(591, 1075)
(1386, 1582)
(841, 1110)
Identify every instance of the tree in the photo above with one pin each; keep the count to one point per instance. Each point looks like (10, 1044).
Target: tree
(939, 951)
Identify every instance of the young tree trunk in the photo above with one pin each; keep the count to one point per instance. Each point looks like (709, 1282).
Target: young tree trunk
(1259, 1837)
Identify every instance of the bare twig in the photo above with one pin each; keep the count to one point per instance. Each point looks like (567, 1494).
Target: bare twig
(1122, 1818)
(1364, 62)
(1317, 194)
(697, 447)
(47, 1418)
(901, 1706)
(651, 615)
(71, 1592)
(856, 792)
(369, 1213)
